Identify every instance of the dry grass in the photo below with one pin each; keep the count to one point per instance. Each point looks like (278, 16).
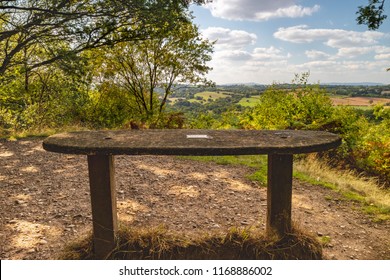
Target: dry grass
(359, 188)
(160, 244)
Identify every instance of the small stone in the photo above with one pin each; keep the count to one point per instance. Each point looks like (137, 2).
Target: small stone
(42, 242)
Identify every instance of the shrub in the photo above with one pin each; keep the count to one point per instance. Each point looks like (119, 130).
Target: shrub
(306, 107)
(365, 141)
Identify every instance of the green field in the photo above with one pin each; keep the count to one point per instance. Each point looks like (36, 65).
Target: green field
(249, 101)
(206, 95)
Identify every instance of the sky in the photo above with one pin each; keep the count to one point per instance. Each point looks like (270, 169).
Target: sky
(259, 41)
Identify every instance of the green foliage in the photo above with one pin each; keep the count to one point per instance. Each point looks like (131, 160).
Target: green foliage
(146, 71)
(96, 63)
(372, 15)
(325, 240)
(372, 152)
(365, 142)
(46, 97)
(204, 121)
(63, 29)
(108, 107)
(270, 111)
(306, 107)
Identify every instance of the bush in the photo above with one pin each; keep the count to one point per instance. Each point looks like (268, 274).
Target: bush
(307, 107)
(365, 142)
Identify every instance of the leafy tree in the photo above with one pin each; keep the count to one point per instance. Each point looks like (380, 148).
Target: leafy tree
(52, 97)
(303, 107)
(44, 53)
(372, 14)
(148, 70)
(108, 106)
(79, 26)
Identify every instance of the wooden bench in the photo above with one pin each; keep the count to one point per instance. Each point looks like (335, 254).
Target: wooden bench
(101, 147)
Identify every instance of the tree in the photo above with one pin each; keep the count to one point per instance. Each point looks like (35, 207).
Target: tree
(149, 69)
(48, 96)
(79, 25)
(372, 15)
(301, 107)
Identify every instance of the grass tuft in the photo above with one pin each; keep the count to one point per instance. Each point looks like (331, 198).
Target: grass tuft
(238, 244)
(12, 134)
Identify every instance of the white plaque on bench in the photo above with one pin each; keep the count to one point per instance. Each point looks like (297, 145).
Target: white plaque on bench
(199, 136)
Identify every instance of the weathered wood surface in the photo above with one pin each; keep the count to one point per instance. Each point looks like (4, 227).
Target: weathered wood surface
(279, 194)
(191, 142)
(100, 146)
(103, 203)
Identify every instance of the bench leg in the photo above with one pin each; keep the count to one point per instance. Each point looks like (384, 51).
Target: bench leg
(103, 201)
(279, 194)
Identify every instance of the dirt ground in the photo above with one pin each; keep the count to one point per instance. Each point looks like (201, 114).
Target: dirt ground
(45, 203)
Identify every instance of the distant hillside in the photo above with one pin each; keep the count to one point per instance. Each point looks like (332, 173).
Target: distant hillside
(325, 84)
(354, 84)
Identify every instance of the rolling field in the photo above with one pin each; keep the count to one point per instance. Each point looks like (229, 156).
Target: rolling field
(359, 101)
(212, 95)
(249, 101)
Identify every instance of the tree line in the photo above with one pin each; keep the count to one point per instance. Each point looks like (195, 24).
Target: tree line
(99, 62)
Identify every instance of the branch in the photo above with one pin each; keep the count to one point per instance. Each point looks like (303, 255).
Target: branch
(372, 15)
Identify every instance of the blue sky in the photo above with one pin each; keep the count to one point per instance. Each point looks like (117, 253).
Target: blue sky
(269, 41)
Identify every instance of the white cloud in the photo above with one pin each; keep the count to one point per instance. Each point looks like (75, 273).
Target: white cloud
(315, 55)
(243, 66)
(232, 55)
(335, 38)
(271, 53)
(319, 65)
(351, 39)
(344, 70)
(382, 53)
(235, 59)
(259, 10)
(228, 38)
(354, 52)
(239, 57)
(289, 12)
(382, 49)
(382, 56)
